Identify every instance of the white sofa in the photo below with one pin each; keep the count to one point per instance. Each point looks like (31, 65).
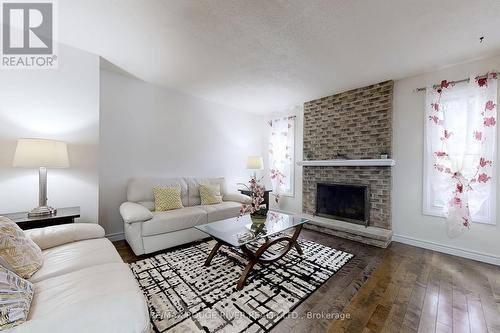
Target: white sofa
(83, 285)
(148, 231)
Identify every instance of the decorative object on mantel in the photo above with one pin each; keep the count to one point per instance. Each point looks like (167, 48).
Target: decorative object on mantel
(363, 162)
(463, 147)
(41, 154)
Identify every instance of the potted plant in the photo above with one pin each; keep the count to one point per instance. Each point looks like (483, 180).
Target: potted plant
(257, 194)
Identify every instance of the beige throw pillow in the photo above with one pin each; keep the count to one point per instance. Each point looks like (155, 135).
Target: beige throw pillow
(167, 198)
(16, 295)
(210, 194)
(18, 252)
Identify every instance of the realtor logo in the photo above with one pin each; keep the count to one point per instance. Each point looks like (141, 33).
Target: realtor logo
(28, 35)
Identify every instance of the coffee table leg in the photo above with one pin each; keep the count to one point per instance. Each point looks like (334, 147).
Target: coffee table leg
(212, 253)
(256, 257)
(295, 239)
(244, 275)
(298, 248)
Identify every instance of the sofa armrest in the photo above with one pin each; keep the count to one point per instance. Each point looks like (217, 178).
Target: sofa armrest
(132, 212)
(238, 197)
(57, 235)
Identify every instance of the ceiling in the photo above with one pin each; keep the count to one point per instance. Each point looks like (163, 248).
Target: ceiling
(267, 55)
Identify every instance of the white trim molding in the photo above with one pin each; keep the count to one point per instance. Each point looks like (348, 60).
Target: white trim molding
(469, 254)
(116, 236)
(364, 162)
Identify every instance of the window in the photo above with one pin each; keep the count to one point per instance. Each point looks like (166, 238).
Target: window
(460, 152)
(281, 155)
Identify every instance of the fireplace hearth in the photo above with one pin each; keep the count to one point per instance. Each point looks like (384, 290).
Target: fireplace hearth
(345, 202)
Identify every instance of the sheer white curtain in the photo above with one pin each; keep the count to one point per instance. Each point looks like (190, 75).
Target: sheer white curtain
(281, 155)
(461, 150)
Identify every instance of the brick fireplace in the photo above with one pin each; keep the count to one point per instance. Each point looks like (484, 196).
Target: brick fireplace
(353, 125)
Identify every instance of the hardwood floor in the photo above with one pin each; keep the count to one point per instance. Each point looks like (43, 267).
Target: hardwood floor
(399, 289)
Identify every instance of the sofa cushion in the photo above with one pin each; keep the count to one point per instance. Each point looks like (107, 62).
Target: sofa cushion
(18, 252)
(173, 220)
(167, 198)
(194, 198)
(210, 194)
(222, 211)
(141, 189)
(75, 256)
(103, 298)
(16, 295)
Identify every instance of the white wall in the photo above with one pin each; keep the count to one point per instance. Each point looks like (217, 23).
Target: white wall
(409, 224)
(60, 104)
(147, 130)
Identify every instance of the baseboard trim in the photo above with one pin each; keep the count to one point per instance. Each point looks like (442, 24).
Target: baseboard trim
(469, 254)
(117, 236)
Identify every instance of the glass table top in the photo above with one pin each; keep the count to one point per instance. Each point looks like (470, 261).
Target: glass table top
(243, 230)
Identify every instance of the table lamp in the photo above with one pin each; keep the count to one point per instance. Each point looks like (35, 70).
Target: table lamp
(255, 163)
(41, 154)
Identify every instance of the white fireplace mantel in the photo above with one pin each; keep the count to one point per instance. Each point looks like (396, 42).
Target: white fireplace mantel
(364, 162)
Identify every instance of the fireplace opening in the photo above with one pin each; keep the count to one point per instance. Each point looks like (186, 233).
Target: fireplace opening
(343, 202)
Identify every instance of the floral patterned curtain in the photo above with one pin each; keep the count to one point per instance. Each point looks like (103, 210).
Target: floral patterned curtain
(461, 135)
(281, 150)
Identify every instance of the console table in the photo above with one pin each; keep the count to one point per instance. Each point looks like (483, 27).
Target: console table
(62, 216)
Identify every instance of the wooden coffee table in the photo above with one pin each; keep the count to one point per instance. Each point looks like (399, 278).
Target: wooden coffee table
(231, 233)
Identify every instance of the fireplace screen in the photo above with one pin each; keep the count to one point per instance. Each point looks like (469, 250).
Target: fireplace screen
(344, 202)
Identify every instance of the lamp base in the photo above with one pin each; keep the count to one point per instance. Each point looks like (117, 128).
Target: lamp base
(42, 211)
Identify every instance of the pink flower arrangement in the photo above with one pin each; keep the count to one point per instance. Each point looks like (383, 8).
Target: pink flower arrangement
(489, 121)
(257, 196)
(435, 106)
(478, 135)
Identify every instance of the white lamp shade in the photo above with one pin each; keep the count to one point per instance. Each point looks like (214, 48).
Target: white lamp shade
(255, 163)
(35, 153)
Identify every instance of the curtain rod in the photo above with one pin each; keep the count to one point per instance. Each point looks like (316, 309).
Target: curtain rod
(455, 82)
(278, 118)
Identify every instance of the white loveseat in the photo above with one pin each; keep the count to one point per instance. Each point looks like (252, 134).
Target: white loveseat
(83, 285)
(148, 231)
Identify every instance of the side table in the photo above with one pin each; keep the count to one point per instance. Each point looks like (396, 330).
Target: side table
(62, 216)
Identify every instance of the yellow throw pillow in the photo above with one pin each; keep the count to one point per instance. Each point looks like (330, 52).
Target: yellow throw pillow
(210, 194)
(167, 198)
(16, 295)
(18, 252)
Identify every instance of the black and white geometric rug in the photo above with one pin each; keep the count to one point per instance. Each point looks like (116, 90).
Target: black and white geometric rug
(185, 296)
